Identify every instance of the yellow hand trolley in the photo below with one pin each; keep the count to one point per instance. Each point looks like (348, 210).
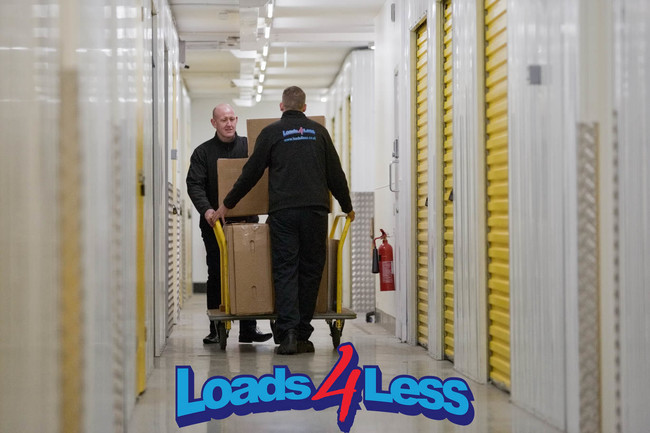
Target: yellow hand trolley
(335, 319)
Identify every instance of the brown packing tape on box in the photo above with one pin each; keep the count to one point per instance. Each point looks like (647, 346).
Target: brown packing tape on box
(256, 202)
(250, 281)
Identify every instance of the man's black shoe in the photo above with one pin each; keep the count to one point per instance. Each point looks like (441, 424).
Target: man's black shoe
(211, 338)
(255, 336)
(289, 345)
(305, 346)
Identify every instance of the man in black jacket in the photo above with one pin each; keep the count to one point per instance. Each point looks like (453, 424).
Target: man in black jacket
(303, 168)
(202, 189)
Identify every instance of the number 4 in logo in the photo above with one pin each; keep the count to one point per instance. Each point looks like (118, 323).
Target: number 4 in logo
(342, 387)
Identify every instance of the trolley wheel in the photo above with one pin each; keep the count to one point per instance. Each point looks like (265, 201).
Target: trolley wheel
(223, 335)
(336, 330)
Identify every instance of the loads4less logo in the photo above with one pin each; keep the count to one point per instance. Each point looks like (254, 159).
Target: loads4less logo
(345, 386)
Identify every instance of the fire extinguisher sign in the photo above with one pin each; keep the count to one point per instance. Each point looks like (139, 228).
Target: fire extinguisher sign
(347, 386)
(387, 273)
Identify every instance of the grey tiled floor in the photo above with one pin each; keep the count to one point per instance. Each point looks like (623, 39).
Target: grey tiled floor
(154, 411)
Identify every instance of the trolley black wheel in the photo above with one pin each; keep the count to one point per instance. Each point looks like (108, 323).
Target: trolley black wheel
(222, 332)
(336, 330)
(276, 339)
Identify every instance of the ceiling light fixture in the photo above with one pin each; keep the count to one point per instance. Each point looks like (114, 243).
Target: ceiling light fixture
(263, 65)
(269, 9)
(265, 50)
(261, 79)
(258, 97)
(260, 88)
(267, 32)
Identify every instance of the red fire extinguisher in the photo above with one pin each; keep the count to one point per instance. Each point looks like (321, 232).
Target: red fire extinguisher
(383, 263)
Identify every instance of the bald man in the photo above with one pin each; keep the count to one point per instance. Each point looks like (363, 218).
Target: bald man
(202, 188)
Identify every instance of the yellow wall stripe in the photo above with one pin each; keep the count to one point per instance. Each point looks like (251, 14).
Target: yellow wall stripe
(69, 229)
(496, 98)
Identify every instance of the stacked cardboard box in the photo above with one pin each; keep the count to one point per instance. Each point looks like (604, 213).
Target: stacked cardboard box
(249, 265)
(256, 202)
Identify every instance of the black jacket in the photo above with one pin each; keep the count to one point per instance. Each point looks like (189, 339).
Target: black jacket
(202, 177)
(303, 166)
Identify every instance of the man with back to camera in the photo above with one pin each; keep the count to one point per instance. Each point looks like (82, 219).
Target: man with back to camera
(303, 168)
(202, 187)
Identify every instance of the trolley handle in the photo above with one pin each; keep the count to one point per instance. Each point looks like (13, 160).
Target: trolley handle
(223, 259)
(339, 258)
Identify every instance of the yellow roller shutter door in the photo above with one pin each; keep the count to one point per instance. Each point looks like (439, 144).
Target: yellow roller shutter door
(448, 208)
(496, 98)
(422, 184)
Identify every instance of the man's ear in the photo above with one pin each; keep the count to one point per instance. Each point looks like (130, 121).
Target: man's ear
(281, 107)
(304, 108)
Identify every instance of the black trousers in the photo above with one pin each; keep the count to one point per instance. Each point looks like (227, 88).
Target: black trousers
(298, 249)
(213, 288)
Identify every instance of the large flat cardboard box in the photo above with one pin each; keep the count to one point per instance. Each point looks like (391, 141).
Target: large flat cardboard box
(326, 300)
(249, 269)
(256, 202)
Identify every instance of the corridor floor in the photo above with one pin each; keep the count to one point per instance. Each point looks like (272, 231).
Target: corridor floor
(155, 410)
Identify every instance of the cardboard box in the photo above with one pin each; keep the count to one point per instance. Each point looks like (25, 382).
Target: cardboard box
(256, 202)
(326, 300)
(249, 269)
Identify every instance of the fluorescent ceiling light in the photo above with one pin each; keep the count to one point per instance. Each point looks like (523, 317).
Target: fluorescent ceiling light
(248, 54)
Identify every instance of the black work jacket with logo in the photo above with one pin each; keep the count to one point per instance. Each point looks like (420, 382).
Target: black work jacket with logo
(303, 166)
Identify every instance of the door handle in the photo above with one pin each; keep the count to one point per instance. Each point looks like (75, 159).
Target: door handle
(392, 175)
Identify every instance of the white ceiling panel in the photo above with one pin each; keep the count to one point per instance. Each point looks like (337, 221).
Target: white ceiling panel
(211, 60)
(201, 18)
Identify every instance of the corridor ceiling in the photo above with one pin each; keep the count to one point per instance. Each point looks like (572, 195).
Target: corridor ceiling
(307, 42)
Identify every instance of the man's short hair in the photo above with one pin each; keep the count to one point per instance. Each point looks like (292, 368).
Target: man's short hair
(293, 98)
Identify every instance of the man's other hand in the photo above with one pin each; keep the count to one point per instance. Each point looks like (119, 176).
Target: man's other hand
(221, 214)
(210, 217)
